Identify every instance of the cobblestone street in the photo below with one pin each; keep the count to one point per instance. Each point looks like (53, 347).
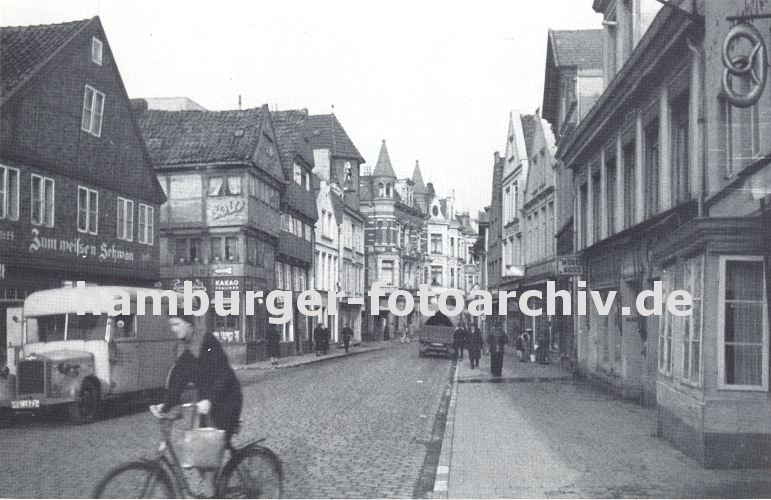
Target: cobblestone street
(351, 427)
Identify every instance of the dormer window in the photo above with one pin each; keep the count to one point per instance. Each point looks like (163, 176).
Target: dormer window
(298, 174)
(435, 211)
(96, 51)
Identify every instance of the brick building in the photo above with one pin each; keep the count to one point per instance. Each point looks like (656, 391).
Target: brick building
(78, 197)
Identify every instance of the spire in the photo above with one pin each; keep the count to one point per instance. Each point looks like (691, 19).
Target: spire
(383, 167)
(417, 178)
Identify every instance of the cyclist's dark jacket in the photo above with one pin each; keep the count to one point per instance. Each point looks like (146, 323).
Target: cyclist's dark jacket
(214, 379)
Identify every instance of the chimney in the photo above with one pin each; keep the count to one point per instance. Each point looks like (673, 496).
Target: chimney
(497, 156)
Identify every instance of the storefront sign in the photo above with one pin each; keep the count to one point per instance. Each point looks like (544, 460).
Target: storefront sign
(569, 266)
(178, 285)
(84, 248)
(227, 284)
(221, 209)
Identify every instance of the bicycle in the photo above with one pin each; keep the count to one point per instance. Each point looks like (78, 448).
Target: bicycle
(250, 471)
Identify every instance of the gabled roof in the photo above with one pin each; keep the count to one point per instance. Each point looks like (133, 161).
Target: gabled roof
(194, 137)
(529, 124)
(24, 50)
(326, 132)
(383, 167)
(580, 48)
(292, 140)
(417, 178)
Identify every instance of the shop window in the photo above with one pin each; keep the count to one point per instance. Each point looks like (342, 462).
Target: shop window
(227, 328)
(9, 193)
(42, 213)
(742, 324)
(88, 210)
(93, 110)
(125, 219)
(691, 326)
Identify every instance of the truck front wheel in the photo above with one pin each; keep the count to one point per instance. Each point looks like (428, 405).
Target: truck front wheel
(86, 407)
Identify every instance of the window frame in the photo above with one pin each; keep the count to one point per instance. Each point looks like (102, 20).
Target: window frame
(721, 385)
(149, 225)
(91, 109)
(89, 211)
(97, 56)
(5, 189)
(42, 200)
(123, 230)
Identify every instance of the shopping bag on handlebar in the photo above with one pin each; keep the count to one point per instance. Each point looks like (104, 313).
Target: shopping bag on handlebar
(203, 447)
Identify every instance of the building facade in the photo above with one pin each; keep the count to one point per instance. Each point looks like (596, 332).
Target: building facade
(394, 243)
(294, 259)
(337, 162)
(671, 176)
(78, 197)
(221, 226)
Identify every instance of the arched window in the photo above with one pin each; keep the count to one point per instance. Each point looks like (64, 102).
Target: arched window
(380, 189)
(380, 231)
(388, 190)
(435, 211)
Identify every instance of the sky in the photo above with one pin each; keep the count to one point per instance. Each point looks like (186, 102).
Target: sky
(436, 80)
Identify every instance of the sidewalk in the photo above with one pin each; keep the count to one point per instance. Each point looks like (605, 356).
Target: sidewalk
(537, 432)
(307, 358)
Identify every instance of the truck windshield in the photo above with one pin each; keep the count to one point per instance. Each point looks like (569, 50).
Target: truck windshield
(51, 328)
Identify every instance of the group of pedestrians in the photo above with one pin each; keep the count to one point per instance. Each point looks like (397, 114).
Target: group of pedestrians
(469, 339)
(321, 336)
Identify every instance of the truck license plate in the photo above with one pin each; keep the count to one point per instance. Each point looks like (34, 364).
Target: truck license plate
(24, 404)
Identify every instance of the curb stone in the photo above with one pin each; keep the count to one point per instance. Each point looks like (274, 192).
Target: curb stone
(442, 481)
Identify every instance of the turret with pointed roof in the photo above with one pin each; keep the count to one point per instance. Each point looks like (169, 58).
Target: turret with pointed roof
(383, 167)
(421, 192)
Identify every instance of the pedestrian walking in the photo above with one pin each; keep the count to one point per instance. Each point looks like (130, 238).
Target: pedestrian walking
(519, 346)
(325, 340)
(347, 334)
(497, 339)
(527, 338)
(318, 338)
(459, 340)
(474, 346)
(274, 344)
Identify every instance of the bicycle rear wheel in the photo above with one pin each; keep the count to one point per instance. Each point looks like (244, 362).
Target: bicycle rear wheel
(252, 472)
(136, 480)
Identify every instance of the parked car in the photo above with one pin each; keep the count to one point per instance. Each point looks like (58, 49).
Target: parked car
(79, 361)
(436, 335)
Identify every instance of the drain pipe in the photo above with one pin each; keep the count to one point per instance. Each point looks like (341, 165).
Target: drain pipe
(698, 108)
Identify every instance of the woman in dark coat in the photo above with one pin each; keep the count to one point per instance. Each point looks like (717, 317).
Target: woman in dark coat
(274, 344)
(474, 346)
(209, 371)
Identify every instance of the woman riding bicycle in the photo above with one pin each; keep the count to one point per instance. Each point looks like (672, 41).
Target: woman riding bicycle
(203, 363)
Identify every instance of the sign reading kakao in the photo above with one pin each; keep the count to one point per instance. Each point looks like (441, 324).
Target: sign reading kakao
(227, 284)
(569, 266)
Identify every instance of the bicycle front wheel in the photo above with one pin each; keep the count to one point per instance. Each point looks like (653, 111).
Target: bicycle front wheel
(135, 480)
(252, 472)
